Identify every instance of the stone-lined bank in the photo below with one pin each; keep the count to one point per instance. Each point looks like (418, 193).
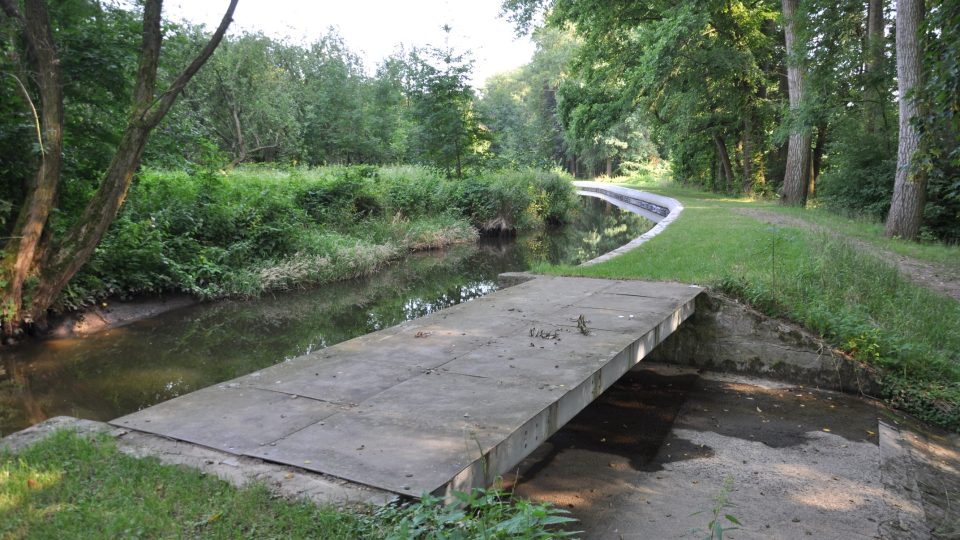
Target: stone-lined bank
(659, 209)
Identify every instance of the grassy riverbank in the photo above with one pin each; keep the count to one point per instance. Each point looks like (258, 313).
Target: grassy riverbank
(70, 487)
(820, 278)
(258, 229)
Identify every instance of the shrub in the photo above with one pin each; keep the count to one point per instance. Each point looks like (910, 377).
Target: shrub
(506, 201)
(554, 198)
(346, 194)
(261, 228)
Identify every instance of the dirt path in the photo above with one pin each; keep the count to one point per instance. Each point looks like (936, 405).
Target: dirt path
(937, 278)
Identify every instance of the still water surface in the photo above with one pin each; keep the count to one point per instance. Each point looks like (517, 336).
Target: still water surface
(118, 371)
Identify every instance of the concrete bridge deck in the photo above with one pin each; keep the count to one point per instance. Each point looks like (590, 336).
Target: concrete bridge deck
(447, 401)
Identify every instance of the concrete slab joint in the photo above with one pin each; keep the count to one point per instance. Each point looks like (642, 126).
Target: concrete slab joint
(446, 402)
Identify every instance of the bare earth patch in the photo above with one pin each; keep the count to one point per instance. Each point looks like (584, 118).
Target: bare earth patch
(648, 458)
(937, 278)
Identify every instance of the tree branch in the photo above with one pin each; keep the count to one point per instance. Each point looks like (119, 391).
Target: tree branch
(153, 117)
(149, 55)
(33, 109)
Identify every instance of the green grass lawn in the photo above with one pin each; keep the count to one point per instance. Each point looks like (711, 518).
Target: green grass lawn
(69, 487)
(72, 487)
(858, 302)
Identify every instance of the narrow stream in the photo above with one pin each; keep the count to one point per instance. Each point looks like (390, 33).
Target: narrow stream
(106, 375)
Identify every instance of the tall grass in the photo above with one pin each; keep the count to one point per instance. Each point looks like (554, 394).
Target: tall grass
(857, 301)
(262, 228)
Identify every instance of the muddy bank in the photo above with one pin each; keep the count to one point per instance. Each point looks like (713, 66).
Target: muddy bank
(728, 336)
(113, 313)
(649, 458)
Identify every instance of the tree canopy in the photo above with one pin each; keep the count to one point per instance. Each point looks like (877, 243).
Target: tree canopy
(805, 100)
(726, 97)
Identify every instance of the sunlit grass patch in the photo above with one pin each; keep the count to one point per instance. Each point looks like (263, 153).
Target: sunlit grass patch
(72, 487)
(857, 301)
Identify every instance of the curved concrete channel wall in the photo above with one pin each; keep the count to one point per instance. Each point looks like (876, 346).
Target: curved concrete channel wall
(661, 210)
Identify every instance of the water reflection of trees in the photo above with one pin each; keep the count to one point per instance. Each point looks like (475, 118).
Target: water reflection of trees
(125, 369)
(19, 405)
(598, 227)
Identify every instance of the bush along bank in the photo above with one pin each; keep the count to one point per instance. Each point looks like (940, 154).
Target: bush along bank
(258, 229)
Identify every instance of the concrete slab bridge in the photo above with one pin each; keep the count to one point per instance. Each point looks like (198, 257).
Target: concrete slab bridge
(446, 402)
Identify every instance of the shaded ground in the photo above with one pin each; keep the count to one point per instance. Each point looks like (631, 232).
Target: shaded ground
(649, 457)
(937, 278)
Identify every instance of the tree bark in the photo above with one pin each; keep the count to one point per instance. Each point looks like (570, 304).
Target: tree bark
(747, 185)
(21, 249)
(910, 186)
(798, 150)
(62, 263)
(724, 162)
(816, 164)
(873, 60)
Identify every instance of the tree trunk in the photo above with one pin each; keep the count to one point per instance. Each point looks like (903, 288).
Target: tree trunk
(609, 167)
(910, 186)
(61, 263)
(77, 247)
(747, 184)
(873, 60)
(817, 162)
(724, 162)
(798, 151)
(459, 165)
(21, 249)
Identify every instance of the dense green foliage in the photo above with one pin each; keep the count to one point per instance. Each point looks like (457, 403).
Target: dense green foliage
(267, 100)
(258, 229)
(858, 302)
(611, 88)
(71, 487)
(447, 133)
(706, 80)
(103, 40)
(941, 99)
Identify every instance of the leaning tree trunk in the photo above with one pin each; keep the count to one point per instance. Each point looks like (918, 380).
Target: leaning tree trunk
(798, 149)
(22, 247)
(62, 262)
(77, 247)
(910, 186)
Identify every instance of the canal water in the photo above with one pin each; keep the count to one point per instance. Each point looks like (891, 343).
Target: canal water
(121, 370)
